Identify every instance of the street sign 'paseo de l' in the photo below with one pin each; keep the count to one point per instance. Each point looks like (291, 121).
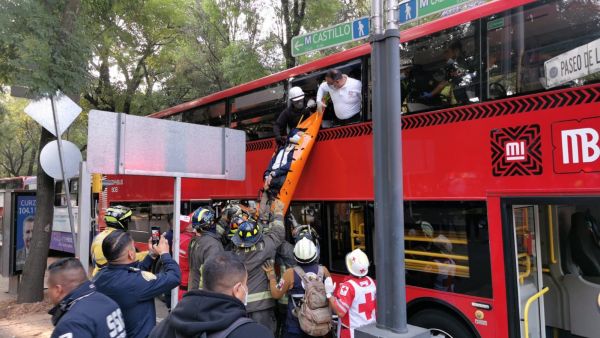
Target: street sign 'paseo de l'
(331, 36)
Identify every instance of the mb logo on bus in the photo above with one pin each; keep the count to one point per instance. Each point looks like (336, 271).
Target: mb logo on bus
(576, 146)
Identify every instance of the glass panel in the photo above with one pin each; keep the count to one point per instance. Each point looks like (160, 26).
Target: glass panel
(148, 214)
(175, 117)
(440, 70)
(525, 221)
(211, 115)
(520, 42)
(255, 112)
(447, 247)
(347, 232)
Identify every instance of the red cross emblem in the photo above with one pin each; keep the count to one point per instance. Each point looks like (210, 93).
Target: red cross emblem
(368, 306)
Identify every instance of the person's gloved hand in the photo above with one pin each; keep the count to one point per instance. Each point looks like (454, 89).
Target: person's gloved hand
(329, 286)
(427, 95)
(311, 105)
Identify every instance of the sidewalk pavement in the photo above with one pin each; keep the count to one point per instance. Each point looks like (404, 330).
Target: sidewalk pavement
(36, 323)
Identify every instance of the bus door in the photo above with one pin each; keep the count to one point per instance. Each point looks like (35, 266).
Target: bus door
(529, 273)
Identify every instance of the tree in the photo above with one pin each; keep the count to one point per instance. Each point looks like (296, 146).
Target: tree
(43, 46)
(129, 49)
(19, 139)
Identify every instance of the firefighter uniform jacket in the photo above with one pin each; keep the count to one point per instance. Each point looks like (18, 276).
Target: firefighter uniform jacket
(87, 313)
(97, 254)
(201, 249)
(134, 289)
(259, 297)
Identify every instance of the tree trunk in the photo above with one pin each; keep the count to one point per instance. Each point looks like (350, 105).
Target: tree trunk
(31, 288)
(32, 283)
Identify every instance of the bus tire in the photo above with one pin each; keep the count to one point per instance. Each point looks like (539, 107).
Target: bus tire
(440, 324)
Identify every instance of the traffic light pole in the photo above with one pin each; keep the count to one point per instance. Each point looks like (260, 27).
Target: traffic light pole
(389, 205)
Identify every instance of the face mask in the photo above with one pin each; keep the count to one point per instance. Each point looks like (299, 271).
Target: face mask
(298, 104)
(402, 76)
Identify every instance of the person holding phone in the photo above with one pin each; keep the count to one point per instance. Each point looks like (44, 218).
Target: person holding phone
(117, 218)
(130, 284)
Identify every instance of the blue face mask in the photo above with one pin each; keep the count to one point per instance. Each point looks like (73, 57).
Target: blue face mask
(402, 76)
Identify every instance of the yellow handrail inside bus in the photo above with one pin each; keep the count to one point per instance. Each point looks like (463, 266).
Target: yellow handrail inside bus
(528, 304)
(551, 234)
(425, 266)
(435, 254)
(527, 264)
(429, 239)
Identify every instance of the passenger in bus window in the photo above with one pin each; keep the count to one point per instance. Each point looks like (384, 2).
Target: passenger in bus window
(446, 267)
(291, 116)
(456, 86)
(345, 93)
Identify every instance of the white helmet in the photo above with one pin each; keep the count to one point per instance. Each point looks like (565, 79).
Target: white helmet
(357, 263)
(296, 94)
(305, 251)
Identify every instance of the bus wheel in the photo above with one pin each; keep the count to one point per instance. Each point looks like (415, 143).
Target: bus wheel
(440, 324)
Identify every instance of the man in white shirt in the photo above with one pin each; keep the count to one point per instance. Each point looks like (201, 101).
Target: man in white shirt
(345, 93)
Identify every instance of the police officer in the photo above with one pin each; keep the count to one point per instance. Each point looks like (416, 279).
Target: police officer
(129, 283)
(80, 311)
(255, 248)
(116, 217)
(205, 245)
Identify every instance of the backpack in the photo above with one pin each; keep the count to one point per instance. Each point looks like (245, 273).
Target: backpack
(314, 314)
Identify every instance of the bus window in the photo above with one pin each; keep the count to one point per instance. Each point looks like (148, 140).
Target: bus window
(347, 232)
(213, 114)
(520, 42)
(255, 112)
(176, 117)
(447, 247)
(349, 97)
(440, 70)
(148, 214)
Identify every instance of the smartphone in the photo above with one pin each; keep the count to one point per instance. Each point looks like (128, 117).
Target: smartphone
(155, 234)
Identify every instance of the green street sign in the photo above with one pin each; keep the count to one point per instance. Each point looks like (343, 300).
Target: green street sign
(330, 36)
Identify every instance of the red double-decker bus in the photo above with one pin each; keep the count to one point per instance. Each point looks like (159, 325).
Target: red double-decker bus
(501, 103)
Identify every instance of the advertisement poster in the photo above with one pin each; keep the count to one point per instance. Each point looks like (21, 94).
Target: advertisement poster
(24, 219)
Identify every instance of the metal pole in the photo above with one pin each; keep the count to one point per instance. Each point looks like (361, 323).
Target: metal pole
(393, 170)
(387, 150)
(381, 263)
(62, 168)
(176, 233)
(85, 210)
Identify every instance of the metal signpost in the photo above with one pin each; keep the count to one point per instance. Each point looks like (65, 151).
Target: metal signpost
(63, 106)
(331, 36)
(134, 145)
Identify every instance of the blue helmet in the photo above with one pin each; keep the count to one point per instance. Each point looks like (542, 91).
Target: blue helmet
(203, 219)
(248, 234)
